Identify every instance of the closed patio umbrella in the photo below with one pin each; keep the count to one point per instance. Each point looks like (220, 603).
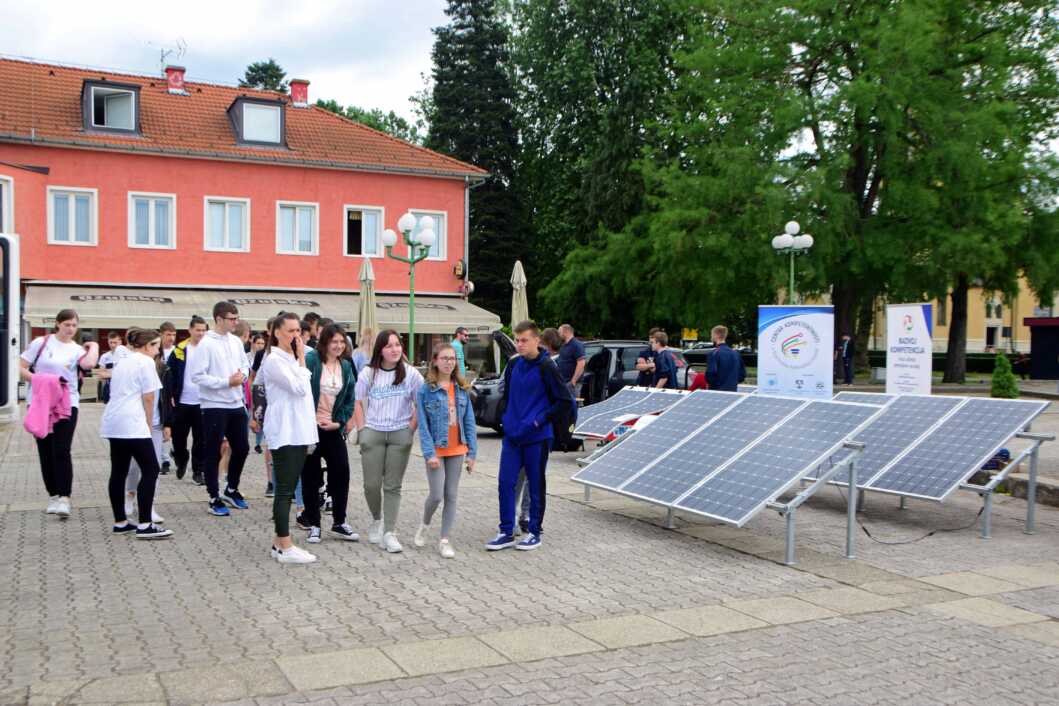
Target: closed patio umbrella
(519, 302)
(367, 317)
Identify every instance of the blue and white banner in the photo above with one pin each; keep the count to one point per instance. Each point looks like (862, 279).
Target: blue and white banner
(795, 350)
(909, 348)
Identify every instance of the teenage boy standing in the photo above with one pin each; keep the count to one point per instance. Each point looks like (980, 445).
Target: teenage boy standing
(534, 394)
(219, 368)
(187, 417)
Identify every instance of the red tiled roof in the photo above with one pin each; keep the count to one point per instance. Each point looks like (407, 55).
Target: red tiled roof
(41, 103)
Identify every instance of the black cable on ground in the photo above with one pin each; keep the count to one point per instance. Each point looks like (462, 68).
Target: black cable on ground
(931, 533)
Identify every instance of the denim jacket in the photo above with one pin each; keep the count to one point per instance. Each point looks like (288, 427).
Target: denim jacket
(432, 410)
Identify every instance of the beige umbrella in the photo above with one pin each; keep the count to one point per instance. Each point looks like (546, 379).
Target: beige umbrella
(519, 302)
(367, 317)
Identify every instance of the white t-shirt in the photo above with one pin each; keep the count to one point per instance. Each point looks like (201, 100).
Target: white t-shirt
(189, 392)
(59, 359)
(110, 358)
(166, 352)
(134, 376)
(388, 407)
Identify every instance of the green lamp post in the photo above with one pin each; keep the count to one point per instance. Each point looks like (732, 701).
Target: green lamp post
(419, 237)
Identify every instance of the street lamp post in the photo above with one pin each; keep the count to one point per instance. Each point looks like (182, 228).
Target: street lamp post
(789, 242)
(419, 237)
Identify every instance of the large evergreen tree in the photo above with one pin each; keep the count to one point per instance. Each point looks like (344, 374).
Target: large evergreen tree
(471, 116)
(267, 75)
(390, 123)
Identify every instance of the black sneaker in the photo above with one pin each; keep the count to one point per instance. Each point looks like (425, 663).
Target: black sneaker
(257, 448)
(198, 479)
(302, 522)
(270, 491)
(234, 498)
(165, 468)
(124, 529)
(181, 469)
(344, 531)
(153, 532)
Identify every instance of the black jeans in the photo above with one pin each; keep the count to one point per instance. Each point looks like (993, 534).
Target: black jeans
(121, 452)
(217, 425)
(332, 449)
(56, 465)
(188, 418)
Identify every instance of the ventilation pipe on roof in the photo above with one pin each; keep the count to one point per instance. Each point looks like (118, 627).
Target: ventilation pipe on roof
(299, 92)
(174, 79)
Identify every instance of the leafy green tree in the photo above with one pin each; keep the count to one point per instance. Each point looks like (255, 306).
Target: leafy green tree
(391, 123)
(1004, 383)
(267, 75)
(472, 118)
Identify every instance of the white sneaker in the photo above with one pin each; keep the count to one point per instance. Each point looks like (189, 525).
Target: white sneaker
(62, 508)
(156, 518)
(389, 541)
(53, 503)
(420, 540)
(445, 547)
(294, 555)
(375, 532)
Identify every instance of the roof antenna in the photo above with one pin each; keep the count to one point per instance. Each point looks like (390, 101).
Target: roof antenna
(168, 53)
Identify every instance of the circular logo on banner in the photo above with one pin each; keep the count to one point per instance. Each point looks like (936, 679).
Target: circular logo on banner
(907, 323)
(795, 344)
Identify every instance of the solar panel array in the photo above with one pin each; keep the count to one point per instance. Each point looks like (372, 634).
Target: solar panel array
(709, 448)
(956, 448)
(647, 445)
(602, 425)
(610, 407)
(780, 458)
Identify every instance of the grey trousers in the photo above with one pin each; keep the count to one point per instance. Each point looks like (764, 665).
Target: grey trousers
(384, 459)
(444, 485)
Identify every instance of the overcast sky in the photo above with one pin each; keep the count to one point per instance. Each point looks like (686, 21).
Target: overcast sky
(370, 53)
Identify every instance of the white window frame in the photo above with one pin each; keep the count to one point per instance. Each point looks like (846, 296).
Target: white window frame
(346, 208)
(152, 196)
(443, 238)
(206, 222)
(7, 193)
(93, 221)
(316, 227)
(112, 90)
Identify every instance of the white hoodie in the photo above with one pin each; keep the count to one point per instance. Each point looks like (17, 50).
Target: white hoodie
(216, 358)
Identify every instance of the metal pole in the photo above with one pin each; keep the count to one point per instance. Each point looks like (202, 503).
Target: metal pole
(791, 290)
(904, 503)
(789, 554)
(987, 515)
(588, 493)
(851, 512)
(1031, 493)
(412, 303)
(669, 519)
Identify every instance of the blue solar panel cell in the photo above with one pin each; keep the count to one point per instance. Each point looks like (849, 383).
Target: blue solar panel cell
(603, 412)
(957, 448)
(710, 448)
(650, 443)
(778, 460)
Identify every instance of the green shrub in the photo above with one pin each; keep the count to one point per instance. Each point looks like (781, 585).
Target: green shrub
(1004, 383)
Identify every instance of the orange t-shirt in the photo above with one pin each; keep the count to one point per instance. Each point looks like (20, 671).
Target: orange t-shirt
(455, 447)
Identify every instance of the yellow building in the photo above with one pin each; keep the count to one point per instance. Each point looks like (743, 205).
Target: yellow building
(994, 322)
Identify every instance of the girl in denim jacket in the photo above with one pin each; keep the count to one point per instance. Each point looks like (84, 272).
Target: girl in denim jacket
(448, 435)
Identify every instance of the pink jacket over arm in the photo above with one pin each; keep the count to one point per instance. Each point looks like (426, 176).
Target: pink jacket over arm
(49, 403)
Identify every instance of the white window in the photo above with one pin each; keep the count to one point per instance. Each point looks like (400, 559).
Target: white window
(261, 123)
(362, 236)
(72, 216)
(227, 227)
(113, 108)
(438, 251)
(296, 228)
(152, 220)
(7, 204)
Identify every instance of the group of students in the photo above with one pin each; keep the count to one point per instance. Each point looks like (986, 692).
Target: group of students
(657, 368)
(306, 390)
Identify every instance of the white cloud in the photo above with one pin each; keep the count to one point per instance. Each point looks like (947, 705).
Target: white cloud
(369, 53)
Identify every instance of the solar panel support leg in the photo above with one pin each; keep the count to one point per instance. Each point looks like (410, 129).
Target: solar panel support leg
(1031, 493)
(987, 515)
(669, 519)
(788, 558)
(588, 493)
(851, 510)
(904, 503)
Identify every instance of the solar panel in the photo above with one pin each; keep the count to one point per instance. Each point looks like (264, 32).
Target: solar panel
(710, 448)
(761, 474)
(875, 398)
(666, 433)
(748, 389)
(956, 448)
(901, 423)
(602, 426)
(609, 407)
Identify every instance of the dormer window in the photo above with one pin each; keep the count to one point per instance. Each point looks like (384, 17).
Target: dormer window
(257, 121)
(111, 106)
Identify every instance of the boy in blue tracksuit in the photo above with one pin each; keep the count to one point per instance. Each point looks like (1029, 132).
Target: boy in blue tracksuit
(534, 394)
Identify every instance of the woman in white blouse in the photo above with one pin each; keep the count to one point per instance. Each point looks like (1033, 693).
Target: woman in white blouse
(290, 427)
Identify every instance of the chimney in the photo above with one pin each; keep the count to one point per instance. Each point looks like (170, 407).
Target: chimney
(174, 78)
(299, 92)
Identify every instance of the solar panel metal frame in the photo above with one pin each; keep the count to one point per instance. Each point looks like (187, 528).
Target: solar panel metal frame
(616, 410)
(646, 498)
(863, 481)
(1041, 406)
(867, 397)
(639, 408)
(794, 479)
(739, 397)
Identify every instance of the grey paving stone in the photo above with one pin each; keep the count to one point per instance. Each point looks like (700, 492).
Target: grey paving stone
(228, 683)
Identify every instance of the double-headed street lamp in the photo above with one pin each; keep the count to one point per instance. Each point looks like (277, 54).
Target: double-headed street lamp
(790, 242)
(419, 237)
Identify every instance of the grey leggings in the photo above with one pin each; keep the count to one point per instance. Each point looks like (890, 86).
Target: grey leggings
(384, 459)
(444, 483)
